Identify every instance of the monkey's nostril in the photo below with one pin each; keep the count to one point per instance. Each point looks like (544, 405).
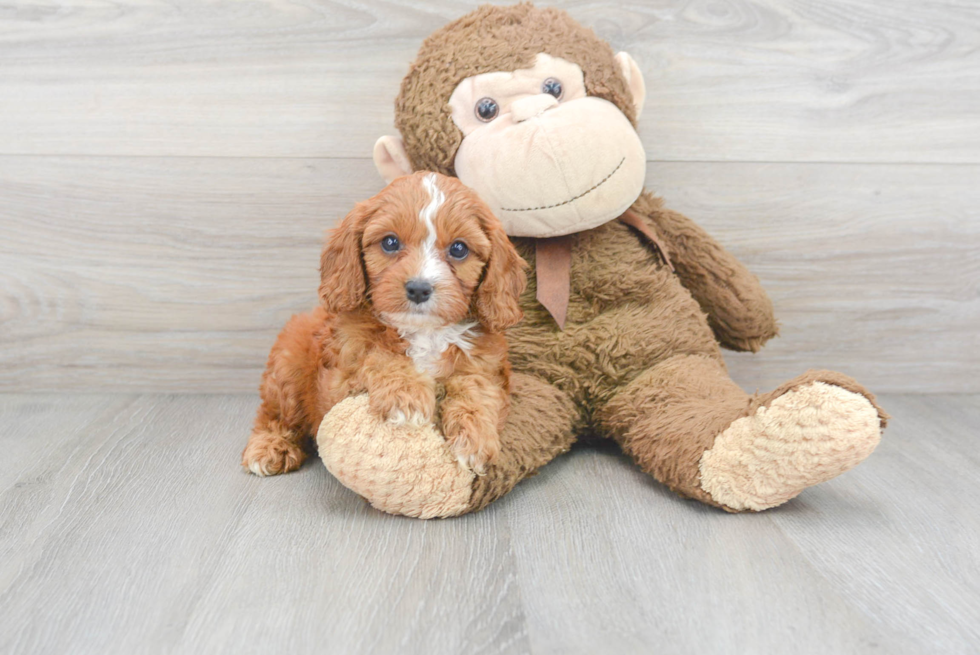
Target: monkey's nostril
(418, 291)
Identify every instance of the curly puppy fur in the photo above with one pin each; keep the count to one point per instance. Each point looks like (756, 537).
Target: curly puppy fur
(375, 333)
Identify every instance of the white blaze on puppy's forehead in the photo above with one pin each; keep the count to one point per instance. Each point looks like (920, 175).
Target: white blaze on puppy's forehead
(432, 268)
(436, 198)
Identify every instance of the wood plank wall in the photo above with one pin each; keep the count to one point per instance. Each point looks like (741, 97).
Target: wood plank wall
(168, 167)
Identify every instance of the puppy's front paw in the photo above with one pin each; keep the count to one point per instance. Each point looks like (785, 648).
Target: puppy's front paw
(271, 454)
(407, 405)
(414, 419)
(474, 450)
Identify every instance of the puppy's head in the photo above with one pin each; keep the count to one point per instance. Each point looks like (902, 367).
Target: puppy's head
(425, 252)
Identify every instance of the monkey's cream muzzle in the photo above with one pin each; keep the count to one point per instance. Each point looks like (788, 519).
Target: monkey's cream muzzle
(547, 166)
(570, 168)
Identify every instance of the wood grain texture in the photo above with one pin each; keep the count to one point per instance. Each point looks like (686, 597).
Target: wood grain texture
(171, 269)
(141, 533)
(882, 559)
(733, 80)
(167, 169)
(170, 274)
(873, 270)
(916, 496)
(126, 525)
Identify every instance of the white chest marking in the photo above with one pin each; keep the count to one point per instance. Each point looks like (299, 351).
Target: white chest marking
(426, 345)
(433, 268)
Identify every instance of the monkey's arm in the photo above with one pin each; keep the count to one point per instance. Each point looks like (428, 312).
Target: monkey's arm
(739, 311)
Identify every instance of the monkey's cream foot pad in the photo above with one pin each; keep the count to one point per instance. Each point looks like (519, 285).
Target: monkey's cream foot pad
(399, 469)
(804, 437)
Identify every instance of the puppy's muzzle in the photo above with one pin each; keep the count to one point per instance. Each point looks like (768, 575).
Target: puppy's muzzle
(418, 291)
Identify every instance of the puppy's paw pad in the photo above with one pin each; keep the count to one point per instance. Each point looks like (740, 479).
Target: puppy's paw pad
(475, 457)
(259, 468)
(410, 418)
(397, 417)
(472, 463)
(263, 459)
(418, 419)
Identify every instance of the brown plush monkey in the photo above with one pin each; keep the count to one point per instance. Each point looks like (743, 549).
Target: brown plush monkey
(628, 302)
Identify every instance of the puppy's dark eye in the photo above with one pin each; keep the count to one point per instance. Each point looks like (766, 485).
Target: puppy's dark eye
(458, 250)
(486, 109)
(391, 244)
(552, 87)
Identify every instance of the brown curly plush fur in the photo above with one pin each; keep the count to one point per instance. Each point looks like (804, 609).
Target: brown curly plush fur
(639, 359)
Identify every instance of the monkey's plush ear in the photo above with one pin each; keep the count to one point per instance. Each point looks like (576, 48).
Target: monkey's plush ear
(634, 80)
(390, 158)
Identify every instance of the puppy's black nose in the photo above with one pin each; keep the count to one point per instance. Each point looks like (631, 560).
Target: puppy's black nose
(418, 291)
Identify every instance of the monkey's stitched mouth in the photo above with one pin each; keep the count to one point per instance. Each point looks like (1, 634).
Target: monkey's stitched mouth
(581, 195)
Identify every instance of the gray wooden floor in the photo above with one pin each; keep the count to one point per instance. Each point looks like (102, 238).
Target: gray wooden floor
(126, 526)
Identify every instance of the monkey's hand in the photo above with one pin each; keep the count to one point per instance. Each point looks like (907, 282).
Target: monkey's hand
(739, 311)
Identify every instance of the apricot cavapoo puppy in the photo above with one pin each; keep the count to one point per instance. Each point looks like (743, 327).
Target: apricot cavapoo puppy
(417, 285)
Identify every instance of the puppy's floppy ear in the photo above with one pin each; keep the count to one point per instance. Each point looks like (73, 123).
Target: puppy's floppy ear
(343, 284)
(497, 299)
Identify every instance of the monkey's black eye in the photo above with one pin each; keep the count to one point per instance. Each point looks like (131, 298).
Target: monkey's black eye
(390, 244)
(552, 87)
(486, 109)
(458, 250)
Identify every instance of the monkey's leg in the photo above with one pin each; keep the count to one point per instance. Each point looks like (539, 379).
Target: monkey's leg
(686, 423)
(408, 470)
